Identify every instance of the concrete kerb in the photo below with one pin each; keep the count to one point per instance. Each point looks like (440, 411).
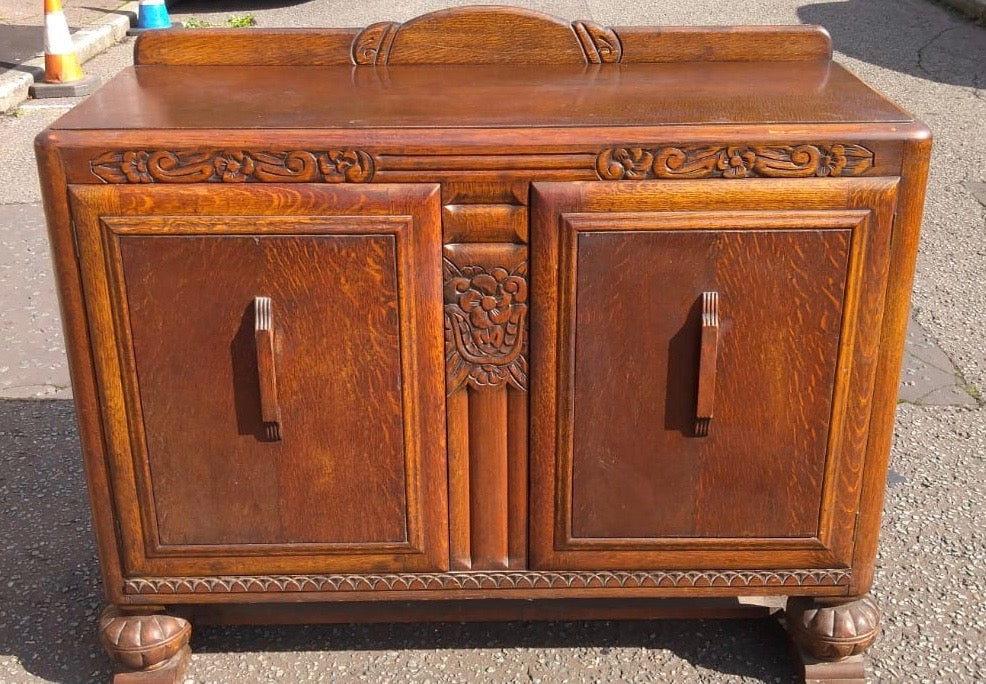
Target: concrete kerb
(89, 41)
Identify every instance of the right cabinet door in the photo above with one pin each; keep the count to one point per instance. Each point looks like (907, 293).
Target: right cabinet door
(703, 357)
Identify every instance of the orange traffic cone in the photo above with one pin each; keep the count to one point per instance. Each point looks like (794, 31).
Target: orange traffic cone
(63, 75)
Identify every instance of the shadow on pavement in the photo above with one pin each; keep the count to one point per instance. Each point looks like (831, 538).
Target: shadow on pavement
(10, 66)
(106, 10)
(757, 649)
(935, 44)
(50, 592)
(51, 595)
(19, 43)
(213, 6)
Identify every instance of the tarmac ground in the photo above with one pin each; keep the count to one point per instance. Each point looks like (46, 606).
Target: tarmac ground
(931, 578)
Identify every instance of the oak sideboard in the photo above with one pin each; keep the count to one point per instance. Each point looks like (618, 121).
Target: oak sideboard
(486, 315)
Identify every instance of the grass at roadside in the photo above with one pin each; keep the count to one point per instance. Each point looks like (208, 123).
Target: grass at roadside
(245, 21)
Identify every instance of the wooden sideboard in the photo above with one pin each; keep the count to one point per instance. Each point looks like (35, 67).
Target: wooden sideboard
(423, 321)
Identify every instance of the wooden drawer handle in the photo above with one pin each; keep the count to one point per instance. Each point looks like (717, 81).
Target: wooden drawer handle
(263, 333)
(709, 350)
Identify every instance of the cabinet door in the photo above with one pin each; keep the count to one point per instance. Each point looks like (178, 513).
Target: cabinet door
(702, 364)
(270, 367)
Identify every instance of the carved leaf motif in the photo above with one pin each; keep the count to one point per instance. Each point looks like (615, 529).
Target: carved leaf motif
(233, 166)
(789, 162)
(372, 45)
(695, 162)
(488, 580)
(599, 43)
(858, 159)
(485, 326)
(183, 167)
(108, 167)
(299, 167)
(722, 161)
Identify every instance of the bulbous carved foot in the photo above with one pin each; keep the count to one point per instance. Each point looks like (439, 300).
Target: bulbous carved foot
(833, 631)
(149, 648)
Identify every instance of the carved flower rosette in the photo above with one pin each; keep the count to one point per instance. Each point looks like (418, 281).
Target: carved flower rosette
(485, 326)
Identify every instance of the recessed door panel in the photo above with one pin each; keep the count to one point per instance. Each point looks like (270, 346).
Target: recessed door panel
(757, 470)
(219, 473)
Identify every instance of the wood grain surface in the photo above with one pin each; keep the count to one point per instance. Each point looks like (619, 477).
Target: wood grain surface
(637, 330)
(337, 475)
(481, 95)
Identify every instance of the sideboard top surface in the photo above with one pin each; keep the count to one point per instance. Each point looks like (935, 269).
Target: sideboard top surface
(167, 97)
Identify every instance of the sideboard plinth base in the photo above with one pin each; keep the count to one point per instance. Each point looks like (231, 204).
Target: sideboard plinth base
(852, 670)
(170, 672)
(476, 610)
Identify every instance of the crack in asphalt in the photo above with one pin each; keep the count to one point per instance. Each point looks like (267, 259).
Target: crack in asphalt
(45, 387)
(928, 44)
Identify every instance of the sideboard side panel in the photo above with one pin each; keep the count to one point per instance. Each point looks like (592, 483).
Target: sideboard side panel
(903, 253)
(85, 394)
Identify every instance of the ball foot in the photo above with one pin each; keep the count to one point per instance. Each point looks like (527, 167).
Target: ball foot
(147, 648)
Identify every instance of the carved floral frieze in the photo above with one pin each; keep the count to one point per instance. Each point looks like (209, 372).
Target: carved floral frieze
(485, 325)
(357, 166)
(733, 161)
(233, 166)
(466, 581)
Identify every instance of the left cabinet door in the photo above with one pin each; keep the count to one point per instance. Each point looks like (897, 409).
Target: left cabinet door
(269, 362)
